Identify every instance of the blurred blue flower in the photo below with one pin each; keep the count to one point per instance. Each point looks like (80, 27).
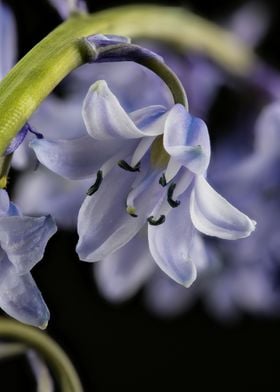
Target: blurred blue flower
(66, 7)
(8, 40)
(22, 244)
(248, 279)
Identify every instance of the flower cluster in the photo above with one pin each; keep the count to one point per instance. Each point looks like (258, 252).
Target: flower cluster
(134, 181)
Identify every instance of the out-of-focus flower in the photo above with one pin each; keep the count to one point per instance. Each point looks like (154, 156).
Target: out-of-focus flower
(249, 278)
(41, 372)
(8, 40)
(22, 244)
(172, 167)
(66, 7)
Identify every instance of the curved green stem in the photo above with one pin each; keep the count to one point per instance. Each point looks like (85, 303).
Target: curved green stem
(125, 51)
(47, 348)
(37, 74)
(169, 77)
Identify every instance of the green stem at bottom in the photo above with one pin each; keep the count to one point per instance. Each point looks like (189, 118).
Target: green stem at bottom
(49, 350)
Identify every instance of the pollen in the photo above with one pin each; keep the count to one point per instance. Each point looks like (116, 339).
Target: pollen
(131, 211)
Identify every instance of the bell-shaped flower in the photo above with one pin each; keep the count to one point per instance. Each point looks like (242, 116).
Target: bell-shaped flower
(141, 181)
(22, 243)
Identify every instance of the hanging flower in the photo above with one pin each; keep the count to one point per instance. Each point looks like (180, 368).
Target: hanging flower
(156, 175)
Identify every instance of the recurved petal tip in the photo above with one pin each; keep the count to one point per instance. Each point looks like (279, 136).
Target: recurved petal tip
(215, 216)
(44, 325)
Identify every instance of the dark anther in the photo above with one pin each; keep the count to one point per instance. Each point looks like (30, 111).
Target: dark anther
(96, 185)
(124, 165)
(162, 180)
(156, 222)
(37, 134)
(133, 215)
(171, 202)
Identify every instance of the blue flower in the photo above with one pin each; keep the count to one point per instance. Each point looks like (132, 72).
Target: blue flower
(22, 244)
(152, 168)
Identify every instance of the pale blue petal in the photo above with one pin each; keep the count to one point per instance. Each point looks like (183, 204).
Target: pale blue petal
(145, 192)
(268, 131)
(20, 297)
(105, 118)
(4, 202)
(13, 210)
(103, 222)
(171, 242)
(120, 275)
(49, 120)
(74, 158)
(186, 139)
(44, 192)
(199, 253)
(8, 41)
(213, 215)
(24, 239)
(150, 120)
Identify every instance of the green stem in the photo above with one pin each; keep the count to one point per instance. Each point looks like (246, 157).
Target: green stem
(37, 74)
(169, 77)
(47, 348)
(130, 52)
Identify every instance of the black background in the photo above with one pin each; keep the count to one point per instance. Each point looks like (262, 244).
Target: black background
(124, 348)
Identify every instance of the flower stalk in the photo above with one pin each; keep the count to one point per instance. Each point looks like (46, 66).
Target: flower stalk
(112, 48)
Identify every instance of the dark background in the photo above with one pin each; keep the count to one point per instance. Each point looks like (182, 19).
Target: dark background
(124, 348)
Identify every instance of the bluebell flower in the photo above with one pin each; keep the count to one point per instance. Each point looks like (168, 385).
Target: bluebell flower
(22, 244)
(41, 191)
(141, 182)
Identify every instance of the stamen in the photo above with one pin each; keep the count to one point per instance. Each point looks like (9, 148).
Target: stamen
(162, 180)
(124, 165)
(94, 188)
(156, 222)
(37, 134)
(131, 211)
(171, 202)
